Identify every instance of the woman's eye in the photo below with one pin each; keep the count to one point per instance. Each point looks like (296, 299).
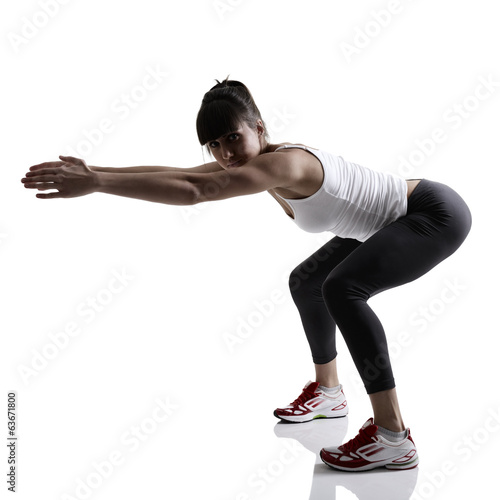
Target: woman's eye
(231, 137)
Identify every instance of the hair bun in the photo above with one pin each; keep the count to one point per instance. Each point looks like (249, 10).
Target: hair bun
(227, 83)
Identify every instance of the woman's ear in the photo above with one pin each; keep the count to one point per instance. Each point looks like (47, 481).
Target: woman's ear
(260, 127)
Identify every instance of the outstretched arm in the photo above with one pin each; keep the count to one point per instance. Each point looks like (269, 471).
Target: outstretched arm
(72, 177)
(205, 168)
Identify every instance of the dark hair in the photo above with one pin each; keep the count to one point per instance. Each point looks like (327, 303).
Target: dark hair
(223, 108)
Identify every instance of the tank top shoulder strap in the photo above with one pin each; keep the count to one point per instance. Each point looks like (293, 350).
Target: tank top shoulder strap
(292, 146)
(316, 152)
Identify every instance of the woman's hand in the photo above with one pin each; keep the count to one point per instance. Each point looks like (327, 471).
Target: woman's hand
(71, 177)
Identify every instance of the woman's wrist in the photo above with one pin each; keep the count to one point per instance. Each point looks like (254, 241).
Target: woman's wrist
(98, 181)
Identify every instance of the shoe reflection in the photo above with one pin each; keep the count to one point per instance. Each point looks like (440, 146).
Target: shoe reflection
(377, 484)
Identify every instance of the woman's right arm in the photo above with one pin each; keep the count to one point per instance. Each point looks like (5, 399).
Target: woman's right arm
(206, 168)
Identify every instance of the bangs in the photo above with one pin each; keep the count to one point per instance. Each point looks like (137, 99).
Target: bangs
(217, 118)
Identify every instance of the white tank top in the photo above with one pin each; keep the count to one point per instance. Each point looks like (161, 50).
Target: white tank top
(353, 201)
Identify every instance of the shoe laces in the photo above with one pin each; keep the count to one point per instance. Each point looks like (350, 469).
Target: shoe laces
(306, 395)
(364, 437)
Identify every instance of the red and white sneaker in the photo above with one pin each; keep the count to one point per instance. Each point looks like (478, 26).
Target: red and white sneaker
(314, 403)
(369, 450)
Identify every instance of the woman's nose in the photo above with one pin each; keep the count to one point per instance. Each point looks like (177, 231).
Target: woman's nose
(226, 153)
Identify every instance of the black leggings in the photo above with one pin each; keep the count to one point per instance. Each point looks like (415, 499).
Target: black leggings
(333, 285)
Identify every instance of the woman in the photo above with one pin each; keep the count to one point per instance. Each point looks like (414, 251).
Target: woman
(388, 232)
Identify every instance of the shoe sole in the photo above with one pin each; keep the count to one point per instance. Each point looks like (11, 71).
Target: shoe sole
(391, 466)
(297, 421)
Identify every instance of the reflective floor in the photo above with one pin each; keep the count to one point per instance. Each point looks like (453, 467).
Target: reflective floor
(376, 484)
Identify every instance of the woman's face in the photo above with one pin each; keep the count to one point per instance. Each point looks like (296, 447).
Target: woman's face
(238, 146)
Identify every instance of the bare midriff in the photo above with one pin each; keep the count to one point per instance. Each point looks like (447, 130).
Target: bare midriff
(412, 184)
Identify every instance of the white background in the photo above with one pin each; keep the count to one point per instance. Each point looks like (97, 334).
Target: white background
(353, 78)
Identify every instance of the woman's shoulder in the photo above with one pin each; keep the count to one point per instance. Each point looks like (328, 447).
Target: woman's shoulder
(308, 172)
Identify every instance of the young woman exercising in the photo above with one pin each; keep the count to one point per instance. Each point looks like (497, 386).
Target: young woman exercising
(389, 231)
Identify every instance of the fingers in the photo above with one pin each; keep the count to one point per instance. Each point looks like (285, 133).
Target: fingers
(46, 196)
(40, 177)
(39, 181)
(47, 164)
(57, 164)
(41, 171)
(43, 186)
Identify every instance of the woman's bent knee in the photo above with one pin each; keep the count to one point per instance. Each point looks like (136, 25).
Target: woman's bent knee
(338, 288)
(302, 284)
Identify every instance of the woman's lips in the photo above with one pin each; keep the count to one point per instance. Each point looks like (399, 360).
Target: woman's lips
(234, 163)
